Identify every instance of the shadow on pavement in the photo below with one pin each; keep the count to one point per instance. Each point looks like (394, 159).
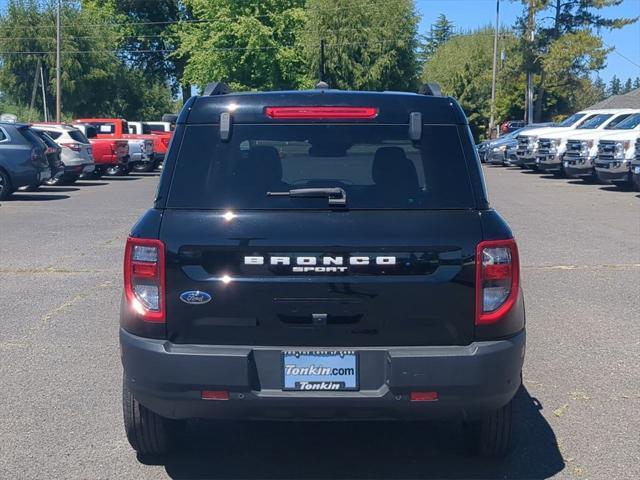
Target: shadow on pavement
(85, 183)
(128, 178)
(35, 197)
(58, 189)
(373, 450)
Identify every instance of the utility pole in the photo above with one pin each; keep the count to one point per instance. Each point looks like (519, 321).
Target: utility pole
(495, 63)
(34, 91)
(44, 96)
(58, 88)
(322, 79)
(531, 32)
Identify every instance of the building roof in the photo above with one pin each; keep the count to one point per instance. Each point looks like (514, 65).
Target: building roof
(628, 100)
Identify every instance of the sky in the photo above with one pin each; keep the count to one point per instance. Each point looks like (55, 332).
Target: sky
(470, 14)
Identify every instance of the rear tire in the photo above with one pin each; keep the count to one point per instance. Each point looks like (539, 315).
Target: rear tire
(145, 167)
(147, 432)
(495, 435)
(5, 186)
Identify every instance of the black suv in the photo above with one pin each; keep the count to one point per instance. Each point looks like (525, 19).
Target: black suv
(321, 254)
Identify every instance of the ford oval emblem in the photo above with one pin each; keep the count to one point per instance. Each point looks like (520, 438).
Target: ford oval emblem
(195, 297)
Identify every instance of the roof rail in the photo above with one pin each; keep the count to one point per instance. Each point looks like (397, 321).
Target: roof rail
(432, 89)
(216, 88)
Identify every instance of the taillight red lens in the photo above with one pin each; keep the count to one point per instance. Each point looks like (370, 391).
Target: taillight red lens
(144, 278)
(497, 279)
(326, 113)
(72, 146)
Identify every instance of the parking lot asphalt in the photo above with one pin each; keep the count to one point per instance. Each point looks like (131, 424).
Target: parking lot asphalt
(60, 374)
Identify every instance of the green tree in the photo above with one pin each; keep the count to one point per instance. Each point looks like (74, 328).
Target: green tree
(368, 46)
(636, 83)
(615, 86)
(147, 35)
(628, 86)
(567, 48)
(94, 80)
(440, 32)
(463, 68)
(252, 44)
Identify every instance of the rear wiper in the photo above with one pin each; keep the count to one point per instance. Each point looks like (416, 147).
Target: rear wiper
(336, 196)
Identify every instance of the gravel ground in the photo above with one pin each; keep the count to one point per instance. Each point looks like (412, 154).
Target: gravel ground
(60, 414)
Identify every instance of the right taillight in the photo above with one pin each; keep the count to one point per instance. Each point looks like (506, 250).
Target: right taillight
(497, 279)
(144, 278)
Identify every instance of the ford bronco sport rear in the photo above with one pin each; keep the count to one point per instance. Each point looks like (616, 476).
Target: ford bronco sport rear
(321, 254)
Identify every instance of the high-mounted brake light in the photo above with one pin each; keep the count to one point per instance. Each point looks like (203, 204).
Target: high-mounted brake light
(324, 113)
(144, 283)
(497, 279)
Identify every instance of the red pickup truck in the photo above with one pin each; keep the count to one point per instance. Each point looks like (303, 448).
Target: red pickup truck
(111, 156)
(118, 128)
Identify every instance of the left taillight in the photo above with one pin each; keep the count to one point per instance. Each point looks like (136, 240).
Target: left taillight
(144, 278)
(497, 279)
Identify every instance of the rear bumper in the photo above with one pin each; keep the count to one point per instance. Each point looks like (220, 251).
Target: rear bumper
(470, 380)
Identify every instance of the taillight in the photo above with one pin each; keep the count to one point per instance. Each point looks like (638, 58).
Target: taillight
(497, 279)
(144, 278)
(72, 146)
(165, 141)
(326, 113)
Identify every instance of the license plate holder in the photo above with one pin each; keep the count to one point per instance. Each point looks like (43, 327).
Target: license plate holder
(333, 371)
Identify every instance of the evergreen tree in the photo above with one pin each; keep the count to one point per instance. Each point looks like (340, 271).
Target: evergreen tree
(440, 32)
(636, 83)
(628, 86)
(600, 88)
(368, 46)
(615, 86)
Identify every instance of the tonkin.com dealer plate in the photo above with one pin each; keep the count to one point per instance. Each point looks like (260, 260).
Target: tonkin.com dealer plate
(320, 371)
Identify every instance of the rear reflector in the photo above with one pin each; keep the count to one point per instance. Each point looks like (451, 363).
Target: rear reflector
(325, 113)
(497, 279)
(215, 395)
(424, 396)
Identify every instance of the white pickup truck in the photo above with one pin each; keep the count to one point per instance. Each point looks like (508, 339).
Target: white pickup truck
(618, 151)
(570, 145)
(527, 151)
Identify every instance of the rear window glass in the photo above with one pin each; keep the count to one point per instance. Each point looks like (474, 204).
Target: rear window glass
(3, 136)
(78, 136)
(53, 134)
(104, 127)
(32, 137)
(376, 165)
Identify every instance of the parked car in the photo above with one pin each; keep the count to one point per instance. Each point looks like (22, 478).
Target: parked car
(161, 126)
(635, 167)
(511, 126)
(149, 127)
(497, 150)
(77, 154)
(119, 128)
(527, 152)
(111, 156)
(54, 158)
(23, 160)
(307, 258)
(483, 149)
(617, 151)
(555, 150)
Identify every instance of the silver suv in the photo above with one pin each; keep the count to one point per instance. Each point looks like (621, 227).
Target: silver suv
(77, 156)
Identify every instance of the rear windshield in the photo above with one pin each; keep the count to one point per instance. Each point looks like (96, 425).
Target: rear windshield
(32, 137)
(376, 165)
(53, 134)
(78, 136)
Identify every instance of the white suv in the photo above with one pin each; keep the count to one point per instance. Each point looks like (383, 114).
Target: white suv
(77, 155)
